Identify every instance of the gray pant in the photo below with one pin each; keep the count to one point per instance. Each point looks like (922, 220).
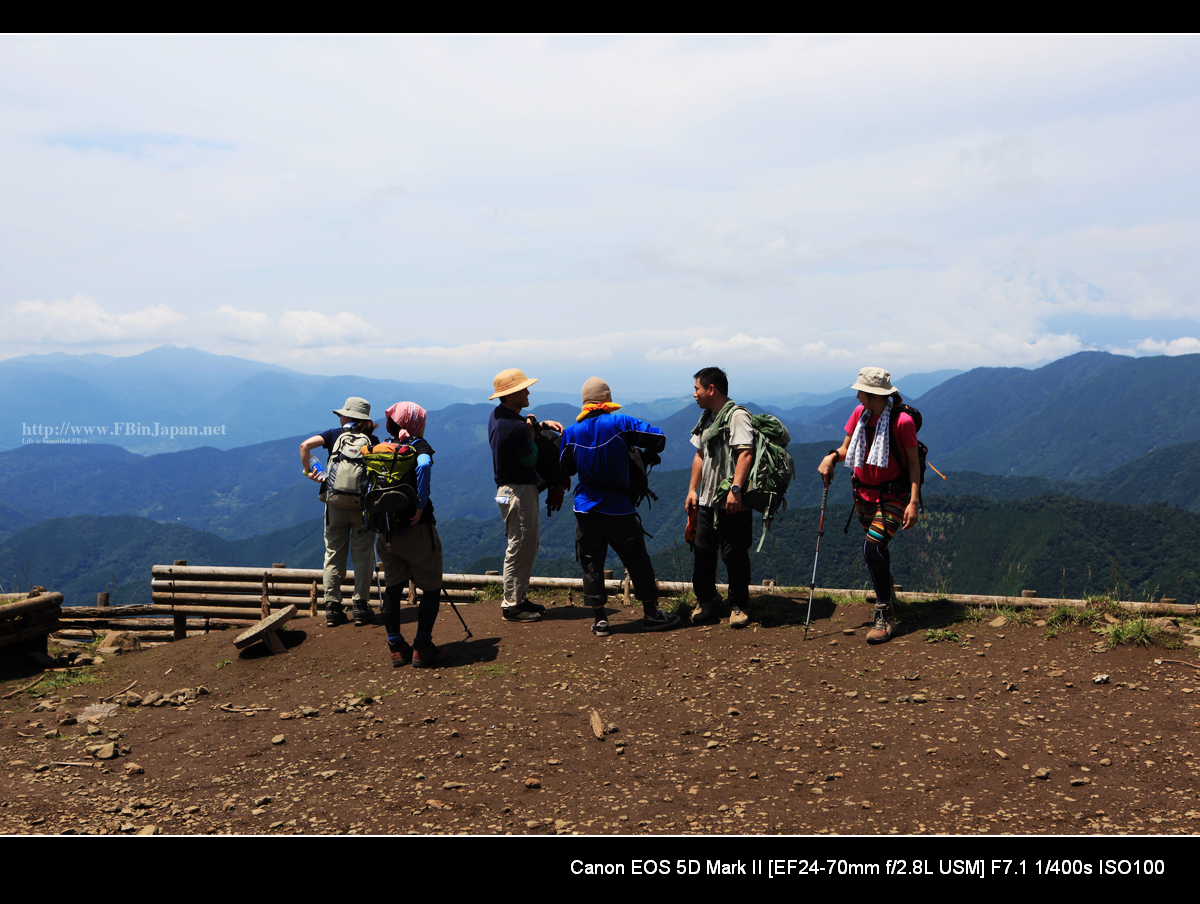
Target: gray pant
(342, 535)
(520, 514)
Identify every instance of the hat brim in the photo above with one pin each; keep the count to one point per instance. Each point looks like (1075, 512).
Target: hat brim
(517, 388)
(873, 390)
(342, 412)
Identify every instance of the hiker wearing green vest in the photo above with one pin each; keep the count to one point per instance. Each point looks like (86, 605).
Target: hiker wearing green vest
(887, 482)
(724, 441)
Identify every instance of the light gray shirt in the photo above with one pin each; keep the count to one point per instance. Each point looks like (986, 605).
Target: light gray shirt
(741, 436)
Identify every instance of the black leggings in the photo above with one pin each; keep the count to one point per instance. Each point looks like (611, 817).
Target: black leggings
(879, 564)
(427, 611)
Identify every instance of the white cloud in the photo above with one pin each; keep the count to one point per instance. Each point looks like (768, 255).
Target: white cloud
(737, 347)
(1184, 345)
(936, 201)
(314, 329)
(81, 321)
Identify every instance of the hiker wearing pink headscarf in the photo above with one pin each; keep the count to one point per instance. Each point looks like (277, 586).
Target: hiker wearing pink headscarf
(410, 549)
(408, 418)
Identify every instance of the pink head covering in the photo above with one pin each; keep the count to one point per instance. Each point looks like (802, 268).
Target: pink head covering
(410, 418)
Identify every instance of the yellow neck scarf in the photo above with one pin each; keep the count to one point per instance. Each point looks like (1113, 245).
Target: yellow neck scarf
(590, 407)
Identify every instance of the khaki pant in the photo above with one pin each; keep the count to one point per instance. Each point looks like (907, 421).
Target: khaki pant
(520, 516)
(415, 555)
(342, 535)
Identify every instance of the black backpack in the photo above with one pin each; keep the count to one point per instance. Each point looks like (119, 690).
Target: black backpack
(641, 462)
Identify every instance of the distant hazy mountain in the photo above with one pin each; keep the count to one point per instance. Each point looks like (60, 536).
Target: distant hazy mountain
(1075, 418)
(134, 402)
(912, 387)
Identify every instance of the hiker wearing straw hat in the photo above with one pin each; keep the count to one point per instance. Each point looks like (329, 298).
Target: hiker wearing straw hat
(514, 459)
(343, 508)
(887, 482)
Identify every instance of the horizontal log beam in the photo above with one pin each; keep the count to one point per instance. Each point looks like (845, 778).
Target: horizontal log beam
(222, 619)
(106, 611)
(42, 629)
(34, 604)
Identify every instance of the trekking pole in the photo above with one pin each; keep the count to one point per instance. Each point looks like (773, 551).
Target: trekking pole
(446, 593)
(812, 587)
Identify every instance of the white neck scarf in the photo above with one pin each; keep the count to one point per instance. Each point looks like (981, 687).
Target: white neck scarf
(878, 456)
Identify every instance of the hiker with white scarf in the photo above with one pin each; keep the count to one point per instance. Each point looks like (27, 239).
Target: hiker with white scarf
(887, 482)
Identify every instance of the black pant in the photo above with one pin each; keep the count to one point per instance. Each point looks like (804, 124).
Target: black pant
(594, 534)
(732, 535)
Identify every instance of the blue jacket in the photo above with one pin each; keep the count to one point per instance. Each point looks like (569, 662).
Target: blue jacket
(597, 449)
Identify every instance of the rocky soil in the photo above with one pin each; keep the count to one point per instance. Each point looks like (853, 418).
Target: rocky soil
(956, 726)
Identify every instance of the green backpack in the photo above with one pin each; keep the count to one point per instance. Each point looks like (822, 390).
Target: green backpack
(770, 475)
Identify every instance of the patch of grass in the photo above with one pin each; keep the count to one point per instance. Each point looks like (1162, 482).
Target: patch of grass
(62, 681)
(1061, 616)
(678, 604)
(1132, 631)
(489, 593)
(497, 669)
(976, 614)
(937, 635)
(223, 663)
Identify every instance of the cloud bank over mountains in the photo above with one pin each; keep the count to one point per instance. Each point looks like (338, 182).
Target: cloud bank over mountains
(788, 207)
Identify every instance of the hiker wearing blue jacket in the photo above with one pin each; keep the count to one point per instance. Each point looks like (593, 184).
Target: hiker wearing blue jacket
(596, 448)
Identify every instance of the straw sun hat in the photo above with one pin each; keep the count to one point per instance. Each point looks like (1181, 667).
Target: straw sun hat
(509, 381)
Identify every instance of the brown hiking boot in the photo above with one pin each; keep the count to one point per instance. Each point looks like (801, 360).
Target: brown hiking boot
(738, 618)
(426, 655)
(703, 612)
(884, 626)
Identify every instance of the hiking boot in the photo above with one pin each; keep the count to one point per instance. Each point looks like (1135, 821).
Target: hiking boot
(522, 612)
(401, 653)
(535, 607)
(703, 612)
(884, 626)
(659, 621)
(363, 615)
(600, 628)
(738, 618)
(426, 654)
(335, 615)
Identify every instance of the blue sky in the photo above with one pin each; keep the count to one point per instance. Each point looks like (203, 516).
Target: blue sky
(790, 208)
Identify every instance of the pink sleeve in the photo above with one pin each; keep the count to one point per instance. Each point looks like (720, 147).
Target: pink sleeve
(853, 422)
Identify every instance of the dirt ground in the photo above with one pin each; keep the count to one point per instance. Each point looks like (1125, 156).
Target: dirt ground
(708, 730)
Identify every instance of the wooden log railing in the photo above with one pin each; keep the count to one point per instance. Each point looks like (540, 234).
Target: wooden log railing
(25, 624)
(199, 599)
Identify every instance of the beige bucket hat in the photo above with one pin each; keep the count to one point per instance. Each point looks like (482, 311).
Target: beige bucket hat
(356, 408)
(596, 390)
(874, 380)
(509, 381)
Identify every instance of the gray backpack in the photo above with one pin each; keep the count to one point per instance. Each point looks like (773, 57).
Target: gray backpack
(345, 483)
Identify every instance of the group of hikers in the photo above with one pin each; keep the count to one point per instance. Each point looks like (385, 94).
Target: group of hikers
(378, 494)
